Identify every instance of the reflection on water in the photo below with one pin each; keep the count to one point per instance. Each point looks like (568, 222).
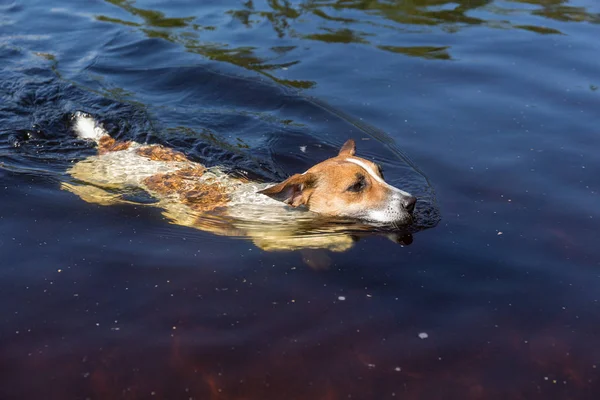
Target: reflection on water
(361, 22)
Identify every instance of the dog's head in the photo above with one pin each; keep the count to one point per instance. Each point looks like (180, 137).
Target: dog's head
(346, 186)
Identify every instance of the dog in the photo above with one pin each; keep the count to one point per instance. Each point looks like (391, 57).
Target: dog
(344, 187)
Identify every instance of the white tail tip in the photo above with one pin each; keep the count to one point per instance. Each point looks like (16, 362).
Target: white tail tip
(86, 127)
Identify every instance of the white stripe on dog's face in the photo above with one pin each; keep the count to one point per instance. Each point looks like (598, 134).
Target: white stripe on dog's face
(374, 175)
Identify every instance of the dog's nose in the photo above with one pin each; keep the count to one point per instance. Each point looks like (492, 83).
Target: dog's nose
(409, 203)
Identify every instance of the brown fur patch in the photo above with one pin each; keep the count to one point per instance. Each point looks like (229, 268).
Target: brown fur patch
(324, 188)
(199, 196)
(106, 144)
(160, 153)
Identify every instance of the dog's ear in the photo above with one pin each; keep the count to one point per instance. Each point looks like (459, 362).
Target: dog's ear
(348, 149)
(295, 190)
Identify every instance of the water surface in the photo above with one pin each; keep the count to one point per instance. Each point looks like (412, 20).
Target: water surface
(487, 109)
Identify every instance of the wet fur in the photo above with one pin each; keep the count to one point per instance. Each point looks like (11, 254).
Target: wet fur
(208, 199)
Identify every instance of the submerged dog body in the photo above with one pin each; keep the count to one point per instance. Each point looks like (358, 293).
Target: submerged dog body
(344, 186)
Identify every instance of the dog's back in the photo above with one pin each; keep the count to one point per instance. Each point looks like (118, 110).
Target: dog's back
(188, 193)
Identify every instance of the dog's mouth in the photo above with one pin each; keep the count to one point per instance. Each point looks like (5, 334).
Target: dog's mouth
(399, 220)
(409, 219)
(398, 232)
(394, 226)
(363, 224)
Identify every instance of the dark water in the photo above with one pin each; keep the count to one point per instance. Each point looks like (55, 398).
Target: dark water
(496, 102)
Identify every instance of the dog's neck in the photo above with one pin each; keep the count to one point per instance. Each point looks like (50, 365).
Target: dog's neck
(245, 203)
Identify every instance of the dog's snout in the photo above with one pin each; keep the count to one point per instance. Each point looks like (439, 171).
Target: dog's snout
(409, 203)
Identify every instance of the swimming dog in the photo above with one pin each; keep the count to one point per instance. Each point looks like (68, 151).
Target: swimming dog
(344, 186)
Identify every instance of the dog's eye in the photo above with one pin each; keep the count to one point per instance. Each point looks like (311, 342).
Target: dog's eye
(380, 170)
(358, 186)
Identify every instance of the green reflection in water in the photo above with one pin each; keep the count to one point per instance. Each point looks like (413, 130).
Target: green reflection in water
(116, 21)
(429, 52)
(540, 29)
(151, 17)
(338, 36)
(156, 25)
(568, 14)
(359, 22)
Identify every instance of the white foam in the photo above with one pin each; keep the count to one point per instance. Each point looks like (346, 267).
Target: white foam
(86, 127)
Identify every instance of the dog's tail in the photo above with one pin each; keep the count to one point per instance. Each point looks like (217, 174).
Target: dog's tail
(86, 127)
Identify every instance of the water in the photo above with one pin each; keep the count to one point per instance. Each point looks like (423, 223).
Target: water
(496, 296)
